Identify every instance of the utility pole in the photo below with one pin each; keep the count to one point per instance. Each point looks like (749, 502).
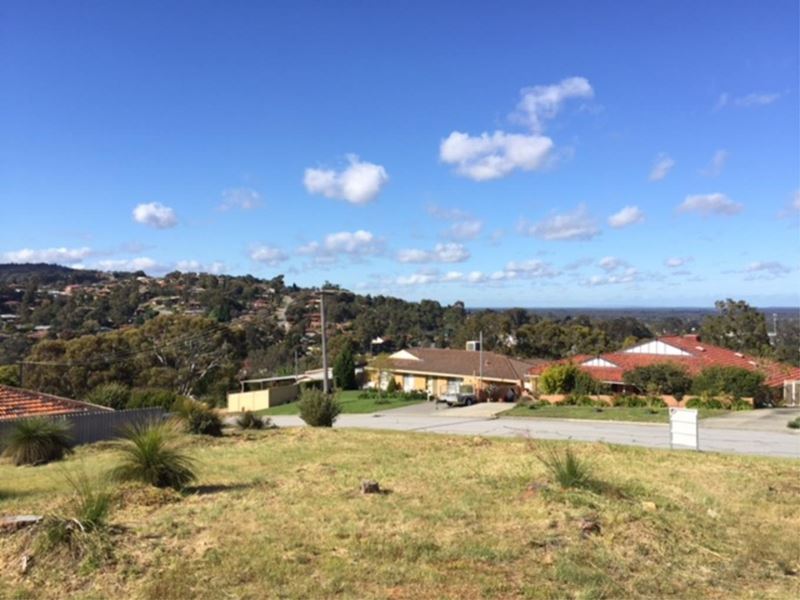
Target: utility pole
(480, 360)
(325, 388)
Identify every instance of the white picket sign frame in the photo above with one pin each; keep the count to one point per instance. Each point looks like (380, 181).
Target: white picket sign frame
(684, 431)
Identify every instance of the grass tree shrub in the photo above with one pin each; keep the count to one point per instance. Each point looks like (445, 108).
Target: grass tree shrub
(153, 397)
(392, 386)
(37, 441)
(150, 453)
(566, 468)
(248, 420)
(114, 395)
(318, 409)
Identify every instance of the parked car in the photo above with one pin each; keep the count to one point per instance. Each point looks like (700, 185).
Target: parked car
(464, 397)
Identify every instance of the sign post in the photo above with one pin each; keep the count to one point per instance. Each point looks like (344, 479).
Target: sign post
(683, 429)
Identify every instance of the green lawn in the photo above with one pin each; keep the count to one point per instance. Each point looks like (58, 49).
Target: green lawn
(643, 415)
(351, 404)
(279, 514)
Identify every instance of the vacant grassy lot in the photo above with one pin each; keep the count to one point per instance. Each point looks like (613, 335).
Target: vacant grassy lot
(279, 514)
(351, 403)
(611, 413)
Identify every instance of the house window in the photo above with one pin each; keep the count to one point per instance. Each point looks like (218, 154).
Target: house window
(408, 383)
(454, 385)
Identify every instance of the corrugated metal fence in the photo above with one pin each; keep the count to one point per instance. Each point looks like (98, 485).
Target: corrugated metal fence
(96, 426)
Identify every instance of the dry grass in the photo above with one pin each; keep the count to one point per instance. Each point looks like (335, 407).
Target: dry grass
(279, 514)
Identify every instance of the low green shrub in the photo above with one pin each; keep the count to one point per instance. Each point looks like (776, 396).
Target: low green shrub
(655, 402)
(579, 400)
(392, 386)
(37, 441)
(739, 404)
(794, 423)
(705, 401)
(199, 418)
(568, 379)
(628, 401)
(113, 395)
(150, 453)
(318, 409)
(153, 397)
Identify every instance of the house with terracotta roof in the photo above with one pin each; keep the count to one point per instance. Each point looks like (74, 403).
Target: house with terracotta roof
(16, 402)
(440, 371)
(687, 351)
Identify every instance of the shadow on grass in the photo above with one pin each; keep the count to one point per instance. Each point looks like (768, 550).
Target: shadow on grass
(205, 490)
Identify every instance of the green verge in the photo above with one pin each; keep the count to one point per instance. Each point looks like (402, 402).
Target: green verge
(279, 513)
(351, 404)
(637, 414)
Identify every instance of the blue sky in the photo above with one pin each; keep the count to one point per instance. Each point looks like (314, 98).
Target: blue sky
(560, 154)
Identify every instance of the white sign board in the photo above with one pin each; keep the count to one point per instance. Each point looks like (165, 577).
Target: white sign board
(683, 428)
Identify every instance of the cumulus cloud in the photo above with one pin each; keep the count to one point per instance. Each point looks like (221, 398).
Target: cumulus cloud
(241, 198)
(463, 227)
(359, 183)
(446, 253)
(611, 263)
(674, 262)
(575, 225)
(661, 167)
(141, 263)
(494, 155)
(356, 245)
(68, 256)
(532, 269)
(629, 275)
(542, 102)
(710, 204)
(717, 164)
(155, 214)
(195, 266)
(630, 215)
(268, 255)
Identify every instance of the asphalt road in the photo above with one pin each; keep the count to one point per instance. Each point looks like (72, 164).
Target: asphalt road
(712, 439)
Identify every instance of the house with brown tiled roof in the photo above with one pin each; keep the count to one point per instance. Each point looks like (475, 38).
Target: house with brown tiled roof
(439, 371)
(16, 402)
(687, 351)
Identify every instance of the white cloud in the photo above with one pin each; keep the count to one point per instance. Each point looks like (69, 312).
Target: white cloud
(356, 245)
(416, 279)
(492, 156)
(710, 204)
(242, 198)
(68, 256)
(195, 266)
(530, 269)
(359, 183)
(575, 225)
(446, 253)
(630, 215)
(611, 263)
(155, 214)
(716, 165)
(542, 102)
(629, 275)
(661, 167)
(465, 230)
(268, 255)
(674, 262)
(756, 99)
(770, 269)
(751, 100)
(141, 263)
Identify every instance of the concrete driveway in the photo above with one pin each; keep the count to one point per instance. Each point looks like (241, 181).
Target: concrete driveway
(652, 435)
(764, 419)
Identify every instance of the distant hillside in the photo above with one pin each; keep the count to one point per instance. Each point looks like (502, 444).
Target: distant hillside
(12, 273)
